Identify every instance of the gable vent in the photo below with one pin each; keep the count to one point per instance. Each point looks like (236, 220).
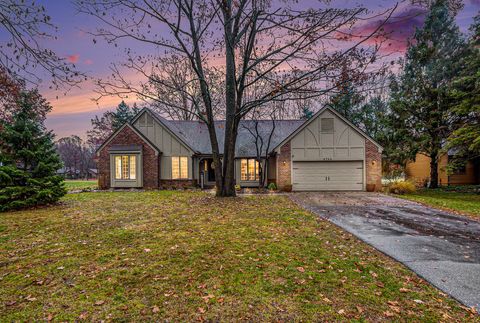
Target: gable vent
(326, 125)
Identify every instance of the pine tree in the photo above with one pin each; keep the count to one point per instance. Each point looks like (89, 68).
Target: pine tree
(465, 94)
(109, 122)
(307, 114)
(432, 60)
(371, 117)
(123, 114)
(29, 159)
(346, 102)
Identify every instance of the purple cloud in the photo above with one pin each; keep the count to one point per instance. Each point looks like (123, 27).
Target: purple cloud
(395, 33)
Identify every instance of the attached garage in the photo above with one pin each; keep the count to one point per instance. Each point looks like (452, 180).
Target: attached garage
(328, 176)
(328, 153)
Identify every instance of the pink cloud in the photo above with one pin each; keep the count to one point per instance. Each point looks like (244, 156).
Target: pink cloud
(88, 62)
(394, 34)
(73, 58)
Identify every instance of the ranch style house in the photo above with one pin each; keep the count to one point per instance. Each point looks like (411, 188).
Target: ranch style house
(326, 152)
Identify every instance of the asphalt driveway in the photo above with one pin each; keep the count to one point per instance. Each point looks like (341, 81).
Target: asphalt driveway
(441, 247)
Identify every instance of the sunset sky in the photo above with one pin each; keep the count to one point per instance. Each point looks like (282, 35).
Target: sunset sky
(72, 112)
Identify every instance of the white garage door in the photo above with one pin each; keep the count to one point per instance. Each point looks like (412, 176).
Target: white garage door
(328, 176)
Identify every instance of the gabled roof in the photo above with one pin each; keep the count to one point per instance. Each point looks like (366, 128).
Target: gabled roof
(127, 124)
(196, 134)
(166, 124)
(319, 112)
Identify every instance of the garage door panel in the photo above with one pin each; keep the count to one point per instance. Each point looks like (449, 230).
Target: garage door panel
(321, 176)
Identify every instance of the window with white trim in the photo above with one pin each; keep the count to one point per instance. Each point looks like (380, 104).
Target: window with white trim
(179, 167)
(126, 167)
(249, 169)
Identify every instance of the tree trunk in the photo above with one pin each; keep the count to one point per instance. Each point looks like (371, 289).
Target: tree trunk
(228, 187)
(231, 124)
(433, 170)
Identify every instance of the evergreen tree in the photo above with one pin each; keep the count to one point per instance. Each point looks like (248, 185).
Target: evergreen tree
(372, 118)
(346, 102)
(122, 114)
(465, 94)
(109, 122)
(397, 140)
(307, 114)
(29, 160)
(432, 60)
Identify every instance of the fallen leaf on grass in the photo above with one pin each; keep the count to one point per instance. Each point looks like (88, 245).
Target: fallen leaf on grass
(388, 314)
(341, 312)
(301, 269)
(404, 290)
(327, 300)
(418, 301)
(201, 310)
(11, 303)
(155, 309)
(359, 309)
(98, 303)
(147, 250)
(208, 297)
(30, 298)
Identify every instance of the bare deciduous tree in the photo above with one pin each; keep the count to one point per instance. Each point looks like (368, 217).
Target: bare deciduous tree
(176, 95)
(77, 157)
(22, 55)
(280, 48)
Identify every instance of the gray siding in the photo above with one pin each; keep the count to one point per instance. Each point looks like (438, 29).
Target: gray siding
(238, 176)
(120, 183)
(344, 143)
(168, 144)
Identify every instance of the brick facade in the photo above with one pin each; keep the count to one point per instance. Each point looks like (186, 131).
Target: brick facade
(373, 162)
(284, 167)
(150, 167)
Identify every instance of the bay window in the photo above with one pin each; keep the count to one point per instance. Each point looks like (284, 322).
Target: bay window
(126, 167)
(179, 167)
(249, 169)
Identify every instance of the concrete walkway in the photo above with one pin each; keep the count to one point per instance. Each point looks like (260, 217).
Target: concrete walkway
(439, 246)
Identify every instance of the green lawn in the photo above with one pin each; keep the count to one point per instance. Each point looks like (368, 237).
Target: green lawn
(467, 203)
(183, 256)
(73, 185)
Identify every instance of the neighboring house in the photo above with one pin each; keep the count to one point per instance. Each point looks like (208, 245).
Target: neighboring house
(419, 172)
(92, 173)
(326, 152)
(69, 172)
(72, 173)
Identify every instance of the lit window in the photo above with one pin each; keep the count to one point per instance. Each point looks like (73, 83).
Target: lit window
(179, 167)
(249, 170)
(126, 167)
